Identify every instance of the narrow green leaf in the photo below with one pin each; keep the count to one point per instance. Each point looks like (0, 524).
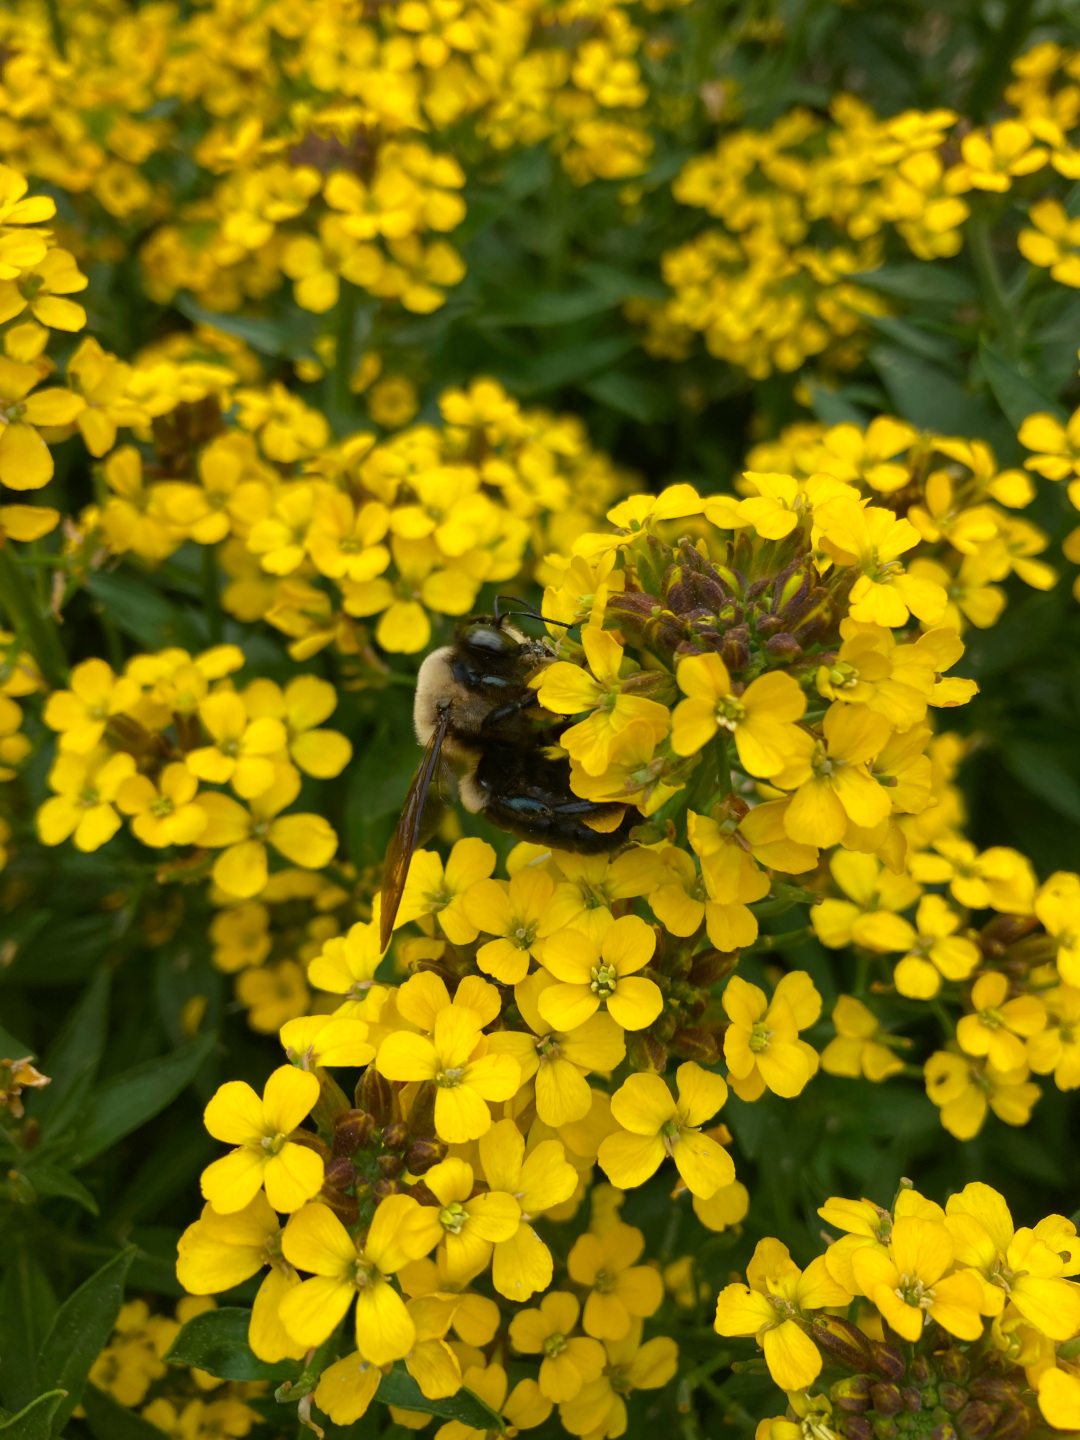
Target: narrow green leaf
(933, 283)
(144, 613)
(109, 1420)
(129, 1100)
(216, 1341)
(631, 395)
(37, 1421)
(1016, 395)
(1041, 768)
(833, 409)
(10, 1048)
(399, 1388)
(81, 1331)
(269, 337)
(567, 365)
(76, 1052)
(934, 400)
(53, 1180)
(920, 342)
(27, 1309)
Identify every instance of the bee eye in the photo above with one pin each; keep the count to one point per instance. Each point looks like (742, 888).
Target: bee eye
(488, 638)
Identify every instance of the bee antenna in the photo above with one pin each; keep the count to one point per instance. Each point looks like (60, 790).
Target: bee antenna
(522, 607)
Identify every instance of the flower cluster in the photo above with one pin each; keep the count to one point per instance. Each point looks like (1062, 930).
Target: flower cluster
(964, 1323)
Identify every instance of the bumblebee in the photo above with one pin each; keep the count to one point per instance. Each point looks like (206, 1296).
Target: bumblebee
(488, 742)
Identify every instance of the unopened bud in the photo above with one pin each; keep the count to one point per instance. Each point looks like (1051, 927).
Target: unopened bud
(423, 1154)
(843, 1341)
(783, 647)
(977, 1420)
(1014, 1424)
(857, 1427)
(888, 1360)
(395, 1136)
(690, 1042)
(995, 1389)
(886, 1398)
(944, 1431)
(375, 1094)
(382, 1188)
(953, 1365)
(920, 1371)
(340, 1173)
(912, 1398)
(952, 1397)
(390, 1165)
(352, 1129)
(852, 1394)
(421, 1118)
(712, 966)
(645, 1052)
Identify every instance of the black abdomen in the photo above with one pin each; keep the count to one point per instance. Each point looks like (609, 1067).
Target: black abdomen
(529, 796)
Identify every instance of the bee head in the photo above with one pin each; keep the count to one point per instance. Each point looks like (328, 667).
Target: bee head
(489, 639)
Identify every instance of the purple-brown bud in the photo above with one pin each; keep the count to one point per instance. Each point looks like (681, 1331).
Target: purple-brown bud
(395, 1136)
(977, 1420)
(852, 1394)
(390, 1166)
(382, 1188)
(423, 1154)
(952, 1397)
(375, 1094)
(944, 1431)
(920, 1371)
(857, 1427)
(842, 1341)
(912, 1398)
(340, 1173)
(888, 1360)
(691, 1042)
(995, 1390)
(953, 1365)
(1014, 1424)
(352, 1129)
(421, 1120)
(645, 1052)
(886, 1398)
(712, 966)
(784, 648)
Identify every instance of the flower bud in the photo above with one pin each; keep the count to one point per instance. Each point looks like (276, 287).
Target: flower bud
(852, 1394)
(783, 647)
(382, 1188)
(912, 1398)
(375, 1094)
(886, 1398)
(340, 1173)
(995, 1390)
(843, 1341)
(712, 966)
(857, 1427)
(1014, 1424)
(952, 1397)
(977, 1420)
(690, 1042)
(395, 1136)
(655, 685)
(735, 651)
(944, 1431)
(952, 1364)
(343, 1206)
(352, 1129)
(423, 1154)
(645, 1052)
(390, 1165)
(887, 1359)
(920, 1371)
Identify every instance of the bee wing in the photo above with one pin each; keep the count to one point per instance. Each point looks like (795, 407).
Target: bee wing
(416, 816)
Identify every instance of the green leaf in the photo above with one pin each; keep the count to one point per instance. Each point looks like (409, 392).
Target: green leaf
(37, 1421)
(399, 1388)
(144, 613)
(1041, 768)
(568, 365)
(832, 409)
(547, 308)
(1017, 396)
(640, 399)
(269, 337)
(76, 1052)
(920, 342)
(10, 1048)
(27, 1309)
(81, 1331)
(127, 1101)
(52, 1180)
(109, 1420)
(216, 1341)
(934, 400)
(932, 283)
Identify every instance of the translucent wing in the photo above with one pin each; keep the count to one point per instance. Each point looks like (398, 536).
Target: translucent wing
(416, 817)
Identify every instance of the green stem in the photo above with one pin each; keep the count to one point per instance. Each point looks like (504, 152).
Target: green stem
(862, 973)
(779, 942)
(26, 615)
(943, 1017)
(998, 55)
(990, 283)
(343, 358)
(57, 28)
(211, 594)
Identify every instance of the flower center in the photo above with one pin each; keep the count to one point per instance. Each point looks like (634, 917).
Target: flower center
(452, 1217)
(604, 1282)
(161, 806)
(760, 1036)
(273, 1143)
(992, 1019)
(843, 676)
(450, 1079)
(729, 712)
(913, 1292)
(554, 1345)
(604, 980)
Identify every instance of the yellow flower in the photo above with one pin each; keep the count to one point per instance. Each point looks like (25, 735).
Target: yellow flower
(964, 1088)
(873, 539)
(655, 1124)
(909, 1285)
(569, 1360)
(465, 1075)
(163, 814)
(589, 885)
(620, 1291)
(41, 288)
(761, 718)
(1012, 1266)
(87, 787)
(220, 1251)
(999, 1026)
(512, 912)
(344, 541)
(243, 835)
(773, 1308)
(832, 784)
(1057, 1048)
(761, 1045)
(393, 401)
(244, 749)
(992, 157)
(135, 516)
(868, 916)
(1058, 445)
(347, 963)
(1057, 905)
(301, 708)
(1055, 242)
(1059, 1398)
(539, 1181)
(872, 455)
(19, 247)
(273, 994)
(82, 713)
(857, 1050)
(569, 689)
(593, 975)
(999, 878)
(465, 1225)
(557, 1061)
(343, 1269)
(313, 1040)
(523, 1409)
(934, 950)
(432, 890)
(102, 381)
(260, 1129)
(599, 1409)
